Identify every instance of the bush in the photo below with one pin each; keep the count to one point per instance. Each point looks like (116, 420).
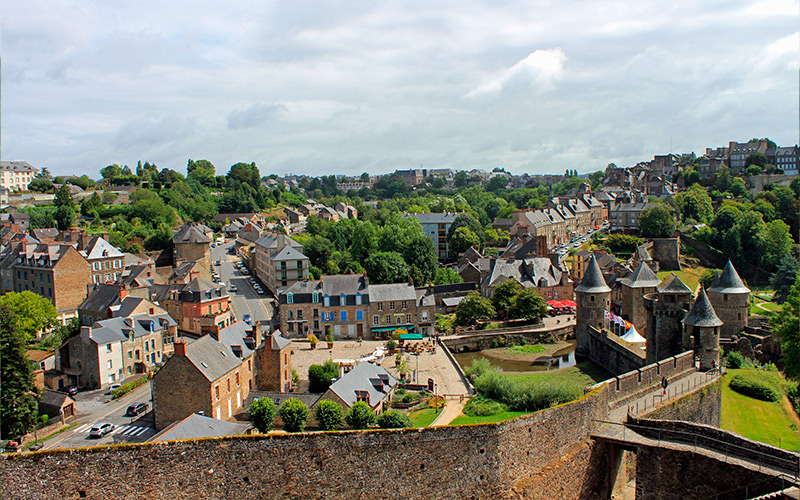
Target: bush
(393, 419)
(765, 386)
(359, 416)
(477, 368)
(320, 376)
(391, 345)
(329, 415)
(294, 415)
(262, 414)
(526, 394)
(408, 398)
(736, 360)
(128, 387)
(482, 407)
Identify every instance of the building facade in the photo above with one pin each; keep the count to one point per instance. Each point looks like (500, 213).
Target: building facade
(435, 226)
(16, 175)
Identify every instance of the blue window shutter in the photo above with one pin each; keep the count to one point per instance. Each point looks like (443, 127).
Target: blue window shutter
(344, 315)
(359, 315)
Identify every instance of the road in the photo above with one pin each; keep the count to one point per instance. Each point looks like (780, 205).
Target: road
(96, 406)
(244, 300)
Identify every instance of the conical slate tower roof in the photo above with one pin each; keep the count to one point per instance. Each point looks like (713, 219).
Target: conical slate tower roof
(729, 281)
(593, 281)
(702, 313)
(642, 277)
(675, 285)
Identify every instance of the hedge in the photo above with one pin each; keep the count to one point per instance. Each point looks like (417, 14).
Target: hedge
(128, 387)
(758, 384)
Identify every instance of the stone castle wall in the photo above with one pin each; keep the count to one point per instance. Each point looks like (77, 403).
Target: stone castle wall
(612, 355)
(667, 251)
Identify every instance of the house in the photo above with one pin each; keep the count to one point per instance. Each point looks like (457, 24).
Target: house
(278, 261)
(392, 307)
(293, 216)
(55, 271)
(56, 404)
(192, 242)
(197, 426)
(580, 261)
(198, 307)
(106, 261)
(550, 281)
(625, 216)
(16, 175)
(205, 377)
(108, 300)
(365, 382)
(114, 349)
(435, 226)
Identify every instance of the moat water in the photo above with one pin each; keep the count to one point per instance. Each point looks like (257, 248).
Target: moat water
(563, 358)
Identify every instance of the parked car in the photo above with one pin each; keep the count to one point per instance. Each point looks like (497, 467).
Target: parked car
(245, 271)
(247, 319)
(259, 291)
(71, 390)
(101, 429)
(232, 288)
(137, 409)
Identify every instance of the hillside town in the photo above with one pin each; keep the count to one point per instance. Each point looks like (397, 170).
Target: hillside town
(150, 305)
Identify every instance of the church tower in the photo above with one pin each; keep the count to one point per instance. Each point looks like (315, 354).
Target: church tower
(593, 297)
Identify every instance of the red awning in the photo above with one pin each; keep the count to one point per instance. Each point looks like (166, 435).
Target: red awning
(568, 303)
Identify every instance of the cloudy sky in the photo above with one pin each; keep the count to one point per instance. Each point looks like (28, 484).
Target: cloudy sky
(321, 87)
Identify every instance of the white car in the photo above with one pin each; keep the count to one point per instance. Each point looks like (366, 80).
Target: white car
(101, 429)
(232, 288)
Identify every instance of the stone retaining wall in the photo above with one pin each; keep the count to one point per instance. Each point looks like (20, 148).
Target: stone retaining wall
(702, 406)
(611, 355)
(486, 340)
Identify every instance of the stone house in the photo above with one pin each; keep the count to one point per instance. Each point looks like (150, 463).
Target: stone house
(278, 261)
(106, 300)
(106, 261)
(550, 281)
(57, 272)
(392, 307)
(365, 382)
(625, 216)
(191, 242)
(114, 349)
(198, 306)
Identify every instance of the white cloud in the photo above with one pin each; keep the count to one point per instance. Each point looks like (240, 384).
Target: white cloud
(538, 71)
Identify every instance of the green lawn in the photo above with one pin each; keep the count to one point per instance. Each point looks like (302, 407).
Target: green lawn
(506, 415)
(584, 374)
(690, 276)
(424, 418)
(756, 419)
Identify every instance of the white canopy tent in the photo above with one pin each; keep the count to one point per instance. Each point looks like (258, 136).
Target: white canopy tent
(633, 336)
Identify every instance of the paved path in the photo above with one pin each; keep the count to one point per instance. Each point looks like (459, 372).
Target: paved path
(451, 411)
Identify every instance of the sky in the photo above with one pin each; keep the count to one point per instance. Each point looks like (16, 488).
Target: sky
(345, 87)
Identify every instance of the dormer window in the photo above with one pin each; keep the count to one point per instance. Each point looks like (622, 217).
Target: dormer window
(290, 298)
(326, 300)
(315, 297)
(342, 300)
(358, 299)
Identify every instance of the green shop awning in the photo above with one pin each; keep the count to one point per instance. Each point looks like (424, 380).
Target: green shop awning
(391, 328)
(411, 336)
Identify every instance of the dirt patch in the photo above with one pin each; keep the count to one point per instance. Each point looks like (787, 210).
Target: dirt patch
(787, 405)
(510, 354)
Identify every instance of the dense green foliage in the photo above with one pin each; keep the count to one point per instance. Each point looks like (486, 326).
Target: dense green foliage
(262, 413)
(329, 415)
(19, 397)
(786, 326)
(30, 312)
(504, 294)
(472, 308)
(129, 386)
(624, 243)
(319, 376)
(525, 394)
(527, 304)
(294, 415)
(758, 384)
(480, 406)
(393, 419)
(656, 222)
(360, 416)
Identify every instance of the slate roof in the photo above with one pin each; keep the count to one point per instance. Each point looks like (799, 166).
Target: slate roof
(235, 334)
(288, 253)
(729, 281)
(396, 291)
(213, 359)
(98, 248)
(434, 218)
(55, 399)
(127, 306)
(200, 426)
(44, 233)
(642, 254)
(189, 233)
(702, 313)
(348, 284)
(675, 285)
(116, 329)
(271, 240)
(642, 277)
(279, 341)
(101, 297)
(278, 398)
(365, 377)
(593, 281)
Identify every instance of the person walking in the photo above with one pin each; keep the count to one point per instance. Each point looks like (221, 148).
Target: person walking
(664, 384)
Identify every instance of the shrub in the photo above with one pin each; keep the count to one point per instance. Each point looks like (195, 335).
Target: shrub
(320, 376)
(526, 394)
(262, 414)
(765, 386)
(734, 360)
(128, 387)
(294, 415)
(312, 339)
(477, 368)
(391, 345)
(482, 407)
(329, 415)
(393, 419)
(408, 398)
(359, 416)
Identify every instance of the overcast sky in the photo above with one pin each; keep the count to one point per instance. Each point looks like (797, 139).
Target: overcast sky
(317, 87)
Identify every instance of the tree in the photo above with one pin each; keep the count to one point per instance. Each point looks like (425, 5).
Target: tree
(466, 220)
(472, 308)
(19, 397)
(91, 204)
(497, 183)
(30, 312)
(656, 222)
(41, 185)
(386, 267)
(294, 415)
(446, 276)
(461, 179)
(777, 243)
(784, 277)
(420, 255)
(202, 171)
(319, 376)
(44, 174)
(622, 242)
(360, 416)
(786, 325)
(111, 171)
(504, 294)
(462, 240)
(393, 419)
(695, 204)
(246, 174)
(262, 414)
(65, 208)
(329, 415)
(758, 159)
(527, 304)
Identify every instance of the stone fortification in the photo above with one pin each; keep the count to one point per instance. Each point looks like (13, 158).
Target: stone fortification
(611, 354)
(667, 251)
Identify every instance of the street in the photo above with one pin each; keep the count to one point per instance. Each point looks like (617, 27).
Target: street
(96, 406)
(244, 300)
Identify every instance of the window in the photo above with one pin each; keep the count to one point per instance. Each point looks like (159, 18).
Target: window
(408, 318)
(424, 315)
(343, 315)
(391, 306)
(358, 299)
(380, 306)
(359, 315)
(388, 319)
(398, 319)
(326, 301)
(404, 304)
(109, 364)
(342, 300)
(108, 347)
(216, 392)
(290, 298)
(130, 354)
(376, 320)
(315, 298)
(229, 384)
(299, 314)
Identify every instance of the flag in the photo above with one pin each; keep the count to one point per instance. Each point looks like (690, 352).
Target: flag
(628, 325)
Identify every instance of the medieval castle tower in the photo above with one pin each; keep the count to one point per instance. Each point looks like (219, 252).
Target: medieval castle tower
(666, 309)
(731, 301)
(593, 297)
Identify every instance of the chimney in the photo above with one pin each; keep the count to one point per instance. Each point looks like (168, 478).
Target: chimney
(122, 292)
(180, 348)
(105, 235)
(83, 240)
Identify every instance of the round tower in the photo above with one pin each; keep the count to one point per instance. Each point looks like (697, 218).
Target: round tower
(731, 301)
(666, 309)
(701, 331)
(593, 297)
